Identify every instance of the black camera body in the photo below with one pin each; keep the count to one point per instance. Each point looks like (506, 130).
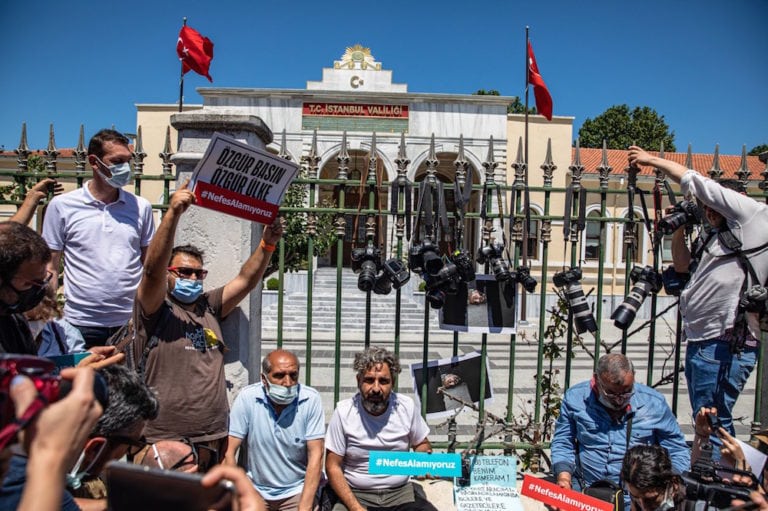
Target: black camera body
(523, 276)
(464, 265)
(683, 213)
(493, 254)
(442, 283)
(673, 281)
(424, 257)
(375, 276)
(646, 280)
(704, 483)
(582, 315)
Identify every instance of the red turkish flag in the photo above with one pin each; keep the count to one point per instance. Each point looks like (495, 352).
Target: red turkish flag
(195, 52)
(543, 99)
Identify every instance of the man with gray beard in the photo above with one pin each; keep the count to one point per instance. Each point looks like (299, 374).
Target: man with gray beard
(374, 419)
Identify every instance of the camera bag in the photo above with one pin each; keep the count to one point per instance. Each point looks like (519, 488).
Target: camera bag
(607, 491)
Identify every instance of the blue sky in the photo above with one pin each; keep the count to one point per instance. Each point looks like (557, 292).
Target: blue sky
(701, 63)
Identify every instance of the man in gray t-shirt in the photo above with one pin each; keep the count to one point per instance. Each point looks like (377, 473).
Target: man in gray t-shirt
(374, 419)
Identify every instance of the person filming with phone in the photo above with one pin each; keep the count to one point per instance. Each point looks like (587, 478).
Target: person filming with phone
(725, 298)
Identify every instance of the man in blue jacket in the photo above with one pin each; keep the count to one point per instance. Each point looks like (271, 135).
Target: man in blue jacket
(601, 418)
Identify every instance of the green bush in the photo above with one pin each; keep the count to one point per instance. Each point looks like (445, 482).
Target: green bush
(273, 284)
(422, 286)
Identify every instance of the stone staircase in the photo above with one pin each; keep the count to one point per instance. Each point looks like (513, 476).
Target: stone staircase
(352, 308)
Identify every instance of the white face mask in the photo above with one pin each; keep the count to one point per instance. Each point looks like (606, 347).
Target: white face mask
(280, 394)
(121, 174)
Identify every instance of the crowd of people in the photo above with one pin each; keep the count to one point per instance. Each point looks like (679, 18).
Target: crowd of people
(169, 410)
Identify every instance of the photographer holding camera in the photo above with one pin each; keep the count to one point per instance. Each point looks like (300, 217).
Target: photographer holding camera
(718, 305)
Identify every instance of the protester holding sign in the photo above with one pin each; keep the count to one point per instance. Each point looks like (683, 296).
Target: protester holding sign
(179, 344)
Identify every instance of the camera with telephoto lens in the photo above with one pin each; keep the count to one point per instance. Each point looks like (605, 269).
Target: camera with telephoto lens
(464, 265)
(704, 482)
(673, 281)
(49, 385)
(683, 213)
(646, 280)
(493, 254)
(582, 314)
(425, 257)
(523, 276)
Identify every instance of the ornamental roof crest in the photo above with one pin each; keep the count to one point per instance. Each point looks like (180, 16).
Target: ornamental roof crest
(357, 57)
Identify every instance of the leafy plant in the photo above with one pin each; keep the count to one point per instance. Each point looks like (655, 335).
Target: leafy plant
(273, 284)
(295, 229)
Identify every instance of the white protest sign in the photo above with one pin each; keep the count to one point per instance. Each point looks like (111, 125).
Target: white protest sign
(240, 180)
(493, 485)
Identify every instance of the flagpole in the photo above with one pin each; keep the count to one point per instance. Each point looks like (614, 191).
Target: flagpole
(181, 78)
(526, 197)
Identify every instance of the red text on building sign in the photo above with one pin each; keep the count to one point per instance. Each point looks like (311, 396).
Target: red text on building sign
(356, 110)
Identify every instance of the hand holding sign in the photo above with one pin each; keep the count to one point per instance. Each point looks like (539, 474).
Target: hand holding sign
(181, 199)
(273, 232)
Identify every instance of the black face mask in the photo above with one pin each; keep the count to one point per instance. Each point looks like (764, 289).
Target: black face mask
(27, 299)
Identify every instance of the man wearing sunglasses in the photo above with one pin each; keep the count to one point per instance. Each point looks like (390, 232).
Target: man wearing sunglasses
(23, 282)
(179, 346)
(600, 419)
(102, 231)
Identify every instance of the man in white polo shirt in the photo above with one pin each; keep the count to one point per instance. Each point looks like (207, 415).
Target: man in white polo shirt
(374, 419)
(103, 232)
(283, 422)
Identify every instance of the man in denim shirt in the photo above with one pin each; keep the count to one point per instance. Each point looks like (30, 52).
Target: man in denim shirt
(591, 433)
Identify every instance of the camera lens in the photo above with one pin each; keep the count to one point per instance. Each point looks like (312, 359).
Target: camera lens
(625, 313)
(433, 263)
(500, 269)
(367, 278)
(582, 314)
(436, 298)
(672, 222)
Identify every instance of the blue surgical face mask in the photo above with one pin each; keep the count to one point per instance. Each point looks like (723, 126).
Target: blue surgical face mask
(281, 395)
(121, 174)
(187, 290)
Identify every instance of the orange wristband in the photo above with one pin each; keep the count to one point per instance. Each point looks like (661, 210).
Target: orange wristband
(267, 247)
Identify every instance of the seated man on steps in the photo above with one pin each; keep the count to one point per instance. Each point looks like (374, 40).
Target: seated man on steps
(374, 419)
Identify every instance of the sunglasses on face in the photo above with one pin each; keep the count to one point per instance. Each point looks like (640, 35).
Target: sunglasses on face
(134, 445)
(186, 273)
(34, 283)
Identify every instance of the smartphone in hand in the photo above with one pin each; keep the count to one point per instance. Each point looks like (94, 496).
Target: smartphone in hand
(131, 487)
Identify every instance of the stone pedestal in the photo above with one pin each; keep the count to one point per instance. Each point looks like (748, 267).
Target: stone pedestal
(227, 241)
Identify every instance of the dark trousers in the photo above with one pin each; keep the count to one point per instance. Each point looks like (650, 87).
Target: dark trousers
(96, 335)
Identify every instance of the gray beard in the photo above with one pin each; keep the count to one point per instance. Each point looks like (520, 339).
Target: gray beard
(375, 407)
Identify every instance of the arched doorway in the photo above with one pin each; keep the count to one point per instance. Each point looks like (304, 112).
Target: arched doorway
(446, 173)
(356, 197)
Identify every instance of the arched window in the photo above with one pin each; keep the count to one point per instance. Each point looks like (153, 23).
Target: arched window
(593, 238)
(533, 234)
(640, 238)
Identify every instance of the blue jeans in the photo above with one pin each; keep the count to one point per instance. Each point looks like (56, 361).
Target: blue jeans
(716, 377)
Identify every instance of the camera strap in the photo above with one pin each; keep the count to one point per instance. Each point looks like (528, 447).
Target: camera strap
(435, 216)
(461, 198)
(10, 430)
(401, 186)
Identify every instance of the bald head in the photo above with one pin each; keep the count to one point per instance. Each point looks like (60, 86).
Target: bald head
(170, 453)
(274, 356)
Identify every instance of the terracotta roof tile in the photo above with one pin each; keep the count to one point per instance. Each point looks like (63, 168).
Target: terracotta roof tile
(617, 158)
